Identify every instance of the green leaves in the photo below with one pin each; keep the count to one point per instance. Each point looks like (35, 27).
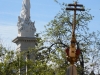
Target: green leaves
(58, 36)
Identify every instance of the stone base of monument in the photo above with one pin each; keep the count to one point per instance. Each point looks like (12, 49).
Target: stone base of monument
(71, 70)
(25, 44)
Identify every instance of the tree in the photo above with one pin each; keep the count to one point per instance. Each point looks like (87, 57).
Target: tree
(10, 63)
(58, 36)
(7, 62)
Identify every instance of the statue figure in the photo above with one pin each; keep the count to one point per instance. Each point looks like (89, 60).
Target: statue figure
(26, 27)
(25, 12)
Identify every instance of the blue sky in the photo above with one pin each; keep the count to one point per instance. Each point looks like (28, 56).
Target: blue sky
(42, 12)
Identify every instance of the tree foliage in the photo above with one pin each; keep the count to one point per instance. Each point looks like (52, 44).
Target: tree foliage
(58, 35)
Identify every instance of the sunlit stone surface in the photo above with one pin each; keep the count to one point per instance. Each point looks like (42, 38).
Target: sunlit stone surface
(26, 27)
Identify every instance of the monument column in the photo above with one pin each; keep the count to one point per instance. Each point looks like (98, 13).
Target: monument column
(26, 31)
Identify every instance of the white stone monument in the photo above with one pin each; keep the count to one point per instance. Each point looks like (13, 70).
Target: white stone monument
(26, 28)
(26, 31)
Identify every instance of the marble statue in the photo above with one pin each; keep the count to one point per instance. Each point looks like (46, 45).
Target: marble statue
(25, 12)
(26, 27)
